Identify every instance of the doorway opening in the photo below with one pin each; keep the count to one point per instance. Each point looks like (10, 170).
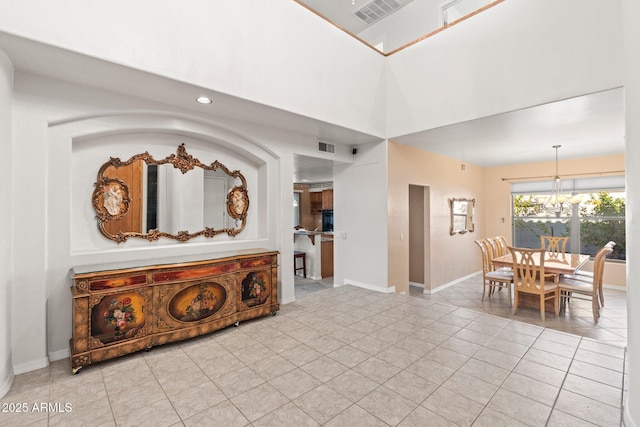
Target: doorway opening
(419, 239)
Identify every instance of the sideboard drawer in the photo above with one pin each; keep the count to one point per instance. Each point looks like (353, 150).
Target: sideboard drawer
(193, 273)
(256, 262)
(117, 282)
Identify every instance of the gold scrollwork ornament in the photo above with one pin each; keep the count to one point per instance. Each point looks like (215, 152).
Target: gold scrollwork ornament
(111, 197)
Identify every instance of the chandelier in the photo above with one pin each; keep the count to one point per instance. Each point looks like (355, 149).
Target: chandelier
(558, 202)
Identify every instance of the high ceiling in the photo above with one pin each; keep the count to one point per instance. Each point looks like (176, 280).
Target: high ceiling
(586, 126)
(390, 24)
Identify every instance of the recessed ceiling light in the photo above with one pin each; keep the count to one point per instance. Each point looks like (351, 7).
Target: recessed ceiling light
(204, 100)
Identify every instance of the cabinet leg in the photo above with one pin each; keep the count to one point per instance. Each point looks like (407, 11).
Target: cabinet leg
(74, 371)
(237, 323)
(148, 349)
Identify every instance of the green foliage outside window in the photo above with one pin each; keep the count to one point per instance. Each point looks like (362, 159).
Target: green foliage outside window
(601, 218)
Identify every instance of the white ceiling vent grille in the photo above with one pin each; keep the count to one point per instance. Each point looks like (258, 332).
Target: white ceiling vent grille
(326, 147)
(376, 10)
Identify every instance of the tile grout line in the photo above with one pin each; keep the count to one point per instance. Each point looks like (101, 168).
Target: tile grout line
(566, 374)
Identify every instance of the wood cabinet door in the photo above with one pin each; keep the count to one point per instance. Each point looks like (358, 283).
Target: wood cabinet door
(316, 201)
(254, 288)
(119, 316)
(327, 199)
(327, 259)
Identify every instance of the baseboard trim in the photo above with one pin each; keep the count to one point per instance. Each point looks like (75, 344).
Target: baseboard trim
(59, 355)
(288, 301)
(30, 366)
(387, 290)
(448, 285)
(615, 287)
(417, 285)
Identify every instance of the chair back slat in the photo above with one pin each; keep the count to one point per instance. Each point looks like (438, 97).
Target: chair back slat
(494, 247)
(486, 262)
(503, 243)
(526, 270)
(555, 246)
(492, 279)
(598, 266)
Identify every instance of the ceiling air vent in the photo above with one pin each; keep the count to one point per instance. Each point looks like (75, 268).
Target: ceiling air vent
(326, 147)
(376, 10)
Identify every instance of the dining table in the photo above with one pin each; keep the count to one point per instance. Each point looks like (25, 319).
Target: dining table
(566, 263)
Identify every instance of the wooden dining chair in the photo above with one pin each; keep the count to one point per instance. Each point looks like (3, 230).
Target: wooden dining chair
(495, 249)
(587, 276)
(503, 243)
(529, 277)
(496, 246)
(571, 288)
(554, 245)
(492, 278)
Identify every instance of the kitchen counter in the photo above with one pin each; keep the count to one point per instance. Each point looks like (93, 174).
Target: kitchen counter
(314, 244)
(310, 242)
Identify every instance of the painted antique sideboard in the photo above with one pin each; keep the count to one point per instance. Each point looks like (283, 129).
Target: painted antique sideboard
(123, 308)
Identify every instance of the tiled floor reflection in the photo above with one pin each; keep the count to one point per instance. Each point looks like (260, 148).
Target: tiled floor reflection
(576, 319)
(345, 357)
(305, 287)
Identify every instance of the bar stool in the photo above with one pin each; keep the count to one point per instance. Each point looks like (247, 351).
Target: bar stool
(303, 256)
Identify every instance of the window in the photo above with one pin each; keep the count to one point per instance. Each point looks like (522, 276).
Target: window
(592, 213)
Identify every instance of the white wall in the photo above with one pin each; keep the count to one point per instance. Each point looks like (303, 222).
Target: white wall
(30, 181)
(6, 137)
(515, 55)
(61, 129)
(273, 52)
(631, 41)
(360, 211)
(186, 211)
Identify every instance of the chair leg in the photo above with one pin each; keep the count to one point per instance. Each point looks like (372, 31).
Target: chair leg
(601, 295)
(542, 307)
(515, 301)
(556, 302)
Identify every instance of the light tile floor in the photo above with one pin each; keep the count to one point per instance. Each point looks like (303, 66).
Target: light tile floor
(576, 319)
(344, 356)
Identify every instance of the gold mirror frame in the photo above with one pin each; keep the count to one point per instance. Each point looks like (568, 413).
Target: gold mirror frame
(461, 215)
(111, 199)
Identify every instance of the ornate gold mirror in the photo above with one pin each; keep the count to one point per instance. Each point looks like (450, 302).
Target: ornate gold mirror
(461, 215)
(149, 198)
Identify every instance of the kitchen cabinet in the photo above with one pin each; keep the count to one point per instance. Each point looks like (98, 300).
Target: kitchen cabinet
(316, 202)
(327, 257)
(327, 199)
